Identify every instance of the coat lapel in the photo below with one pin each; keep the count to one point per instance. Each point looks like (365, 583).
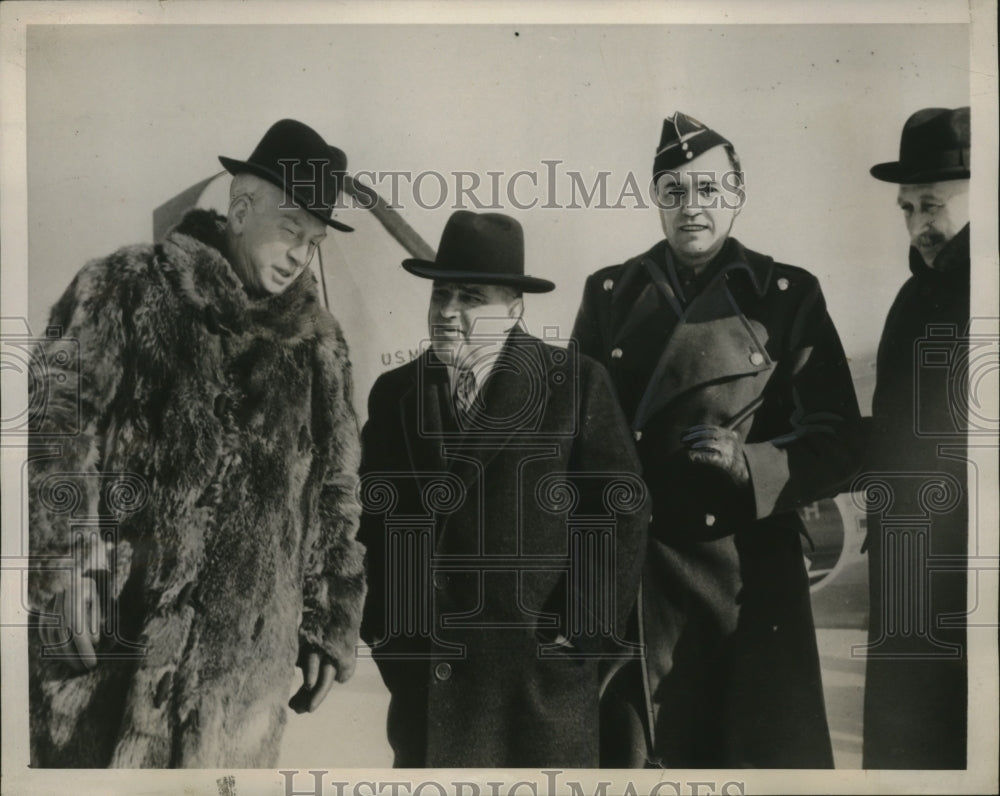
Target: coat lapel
(509, 407)
(424, 415)
(511, 402)
(714, 340)
(630, 310)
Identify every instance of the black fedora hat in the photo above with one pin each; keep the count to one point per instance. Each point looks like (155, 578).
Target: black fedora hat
(483, 249)
(295, 157)
(934, 147)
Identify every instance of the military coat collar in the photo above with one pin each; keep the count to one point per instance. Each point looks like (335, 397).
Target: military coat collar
(709, 339)
(643, 289)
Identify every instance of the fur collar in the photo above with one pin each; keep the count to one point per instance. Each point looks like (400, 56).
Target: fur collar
(194, 258)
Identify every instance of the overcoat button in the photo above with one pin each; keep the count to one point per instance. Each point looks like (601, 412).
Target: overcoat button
(709, 520)
(609, 283)
(637, 435)
(442, 671)
(616, 353)
(756, 358)
(782, 284)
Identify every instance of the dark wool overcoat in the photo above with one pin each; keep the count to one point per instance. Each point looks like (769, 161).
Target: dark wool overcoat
(732, 671)
(209, 440)
(916, 679)
(487, 541)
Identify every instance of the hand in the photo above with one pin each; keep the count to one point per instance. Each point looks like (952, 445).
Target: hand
(720, 448)
(318, 673)
(78, 609)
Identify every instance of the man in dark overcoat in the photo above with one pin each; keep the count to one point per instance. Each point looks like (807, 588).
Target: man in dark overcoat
(192, 484)
(505, 522)
(916, 672)
(736, 388)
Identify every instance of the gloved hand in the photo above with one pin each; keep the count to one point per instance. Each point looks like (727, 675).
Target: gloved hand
(720, 448)
(77, 629)
(318, 674)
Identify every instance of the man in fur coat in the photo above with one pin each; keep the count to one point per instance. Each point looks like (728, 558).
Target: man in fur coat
(505, 523)
(916, 678)
(736, 386)
(192, 484)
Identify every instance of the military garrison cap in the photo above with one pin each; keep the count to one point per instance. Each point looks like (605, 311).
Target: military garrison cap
(683, 138)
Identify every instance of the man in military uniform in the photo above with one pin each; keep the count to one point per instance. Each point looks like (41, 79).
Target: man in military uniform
(734, 381)
(916, 679)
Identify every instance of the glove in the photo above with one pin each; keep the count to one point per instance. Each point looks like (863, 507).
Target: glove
(80, 615)
(719, 448)
(319, 671)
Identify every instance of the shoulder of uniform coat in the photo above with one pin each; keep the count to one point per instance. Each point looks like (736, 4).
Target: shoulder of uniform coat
(794, 272)
(800, 285)
(783, 278)
(605, 281)
(599, 278)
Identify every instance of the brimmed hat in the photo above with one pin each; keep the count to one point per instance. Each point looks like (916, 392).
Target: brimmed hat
(482, 249)
(683, 138)
(934, 147)
(317, 170)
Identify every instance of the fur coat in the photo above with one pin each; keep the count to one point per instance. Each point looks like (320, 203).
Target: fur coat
(205, 444)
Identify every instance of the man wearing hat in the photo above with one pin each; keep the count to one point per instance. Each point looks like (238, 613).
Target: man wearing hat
(916, 670)
(504, 519)
(192, 484)
(737, 391)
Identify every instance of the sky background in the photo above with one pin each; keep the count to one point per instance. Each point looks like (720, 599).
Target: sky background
(122, 118)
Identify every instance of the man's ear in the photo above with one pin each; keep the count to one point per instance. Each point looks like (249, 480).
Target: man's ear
(239, 211)
(515, 309)
(734, 192)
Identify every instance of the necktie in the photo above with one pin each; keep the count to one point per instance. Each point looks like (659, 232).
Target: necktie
(465, 392)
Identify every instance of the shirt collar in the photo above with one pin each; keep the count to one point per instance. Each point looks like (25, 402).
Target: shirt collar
(485, 361)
